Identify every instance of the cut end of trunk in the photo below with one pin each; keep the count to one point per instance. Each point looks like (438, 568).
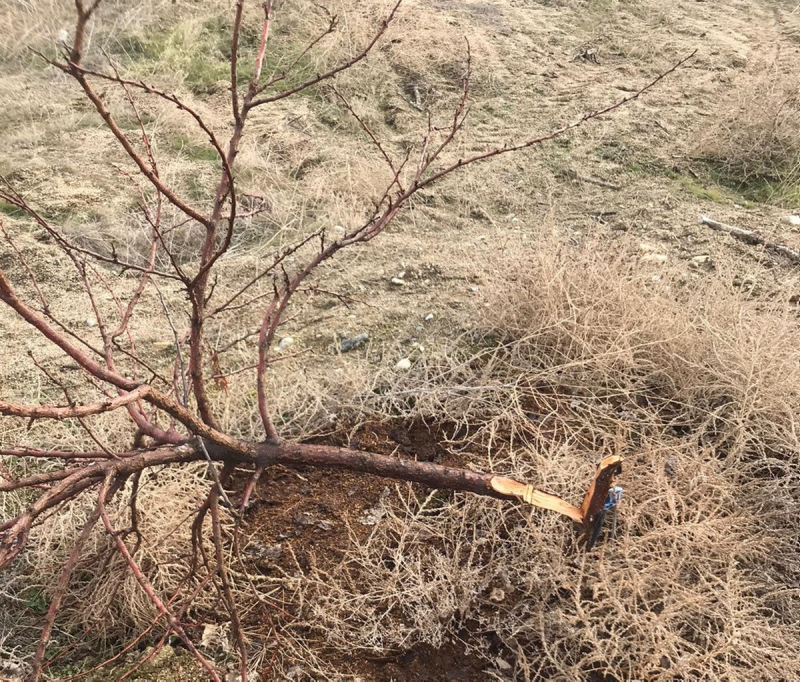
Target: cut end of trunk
(510, 488)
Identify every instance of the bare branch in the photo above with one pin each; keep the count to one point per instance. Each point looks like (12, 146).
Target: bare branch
(55, 412)
(283, 94)
(498, 151)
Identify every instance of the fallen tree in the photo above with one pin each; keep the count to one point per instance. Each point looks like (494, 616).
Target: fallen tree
(173, 420)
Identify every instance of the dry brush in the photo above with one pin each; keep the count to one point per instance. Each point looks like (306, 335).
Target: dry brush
(172, 415)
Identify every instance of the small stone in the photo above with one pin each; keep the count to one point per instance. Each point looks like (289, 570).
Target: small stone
(497, 595)
(371, 517)
(163, 656)
(210, 636)
(346, 345)
(398, 282)
(700, 262)
(285, 342)
(429, 317)
(294, 673)
(474, 290)
(502, 663)
(339, 229)
(793, 220)
(405, 363)
(91, 322)
(258, 551)
(305, 519)
(654, 258)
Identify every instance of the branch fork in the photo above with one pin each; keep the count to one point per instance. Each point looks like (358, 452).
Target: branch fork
(114, 370)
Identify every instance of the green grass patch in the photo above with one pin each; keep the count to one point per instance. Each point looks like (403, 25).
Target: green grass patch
(197, 189)
(128, 121)
(761, 189)
(697, 189)
(49, 213)
(10, 210)
(35, 599)
(704, 185)
(199, 50)
(194, 152)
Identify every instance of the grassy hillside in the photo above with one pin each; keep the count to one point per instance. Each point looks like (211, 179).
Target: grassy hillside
(555, 306)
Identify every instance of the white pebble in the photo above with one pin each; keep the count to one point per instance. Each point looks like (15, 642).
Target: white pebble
(497, 595)
(405, 363)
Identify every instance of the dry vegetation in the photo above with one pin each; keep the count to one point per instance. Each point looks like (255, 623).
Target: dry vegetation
(699, 391)
(556, 338)
(756, 144)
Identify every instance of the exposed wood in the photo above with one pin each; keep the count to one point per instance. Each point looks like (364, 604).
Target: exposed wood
(598, 491)
(511, 488)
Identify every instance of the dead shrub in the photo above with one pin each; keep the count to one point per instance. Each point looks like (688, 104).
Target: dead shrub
(104, 597)
(755, 140)
(583, 354)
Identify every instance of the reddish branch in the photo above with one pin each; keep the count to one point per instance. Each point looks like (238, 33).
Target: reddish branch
(53, 412)
(177, 425)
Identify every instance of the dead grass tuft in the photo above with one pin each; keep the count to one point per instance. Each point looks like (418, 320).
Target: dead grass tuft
(755, 141)
(105, 604)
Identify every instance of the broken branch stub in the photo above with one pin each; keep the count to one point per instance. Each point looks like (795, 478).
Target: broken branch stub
(592, 502)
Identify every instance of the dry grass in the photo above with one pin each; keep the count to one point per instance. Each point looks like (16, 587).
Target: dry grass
(755, 141)
(575, 357)
(105, 604)
(26, 24)
(698, 389)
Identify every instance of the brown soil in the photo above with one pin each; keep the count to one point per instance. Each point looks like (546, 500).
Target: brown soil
(299, 517)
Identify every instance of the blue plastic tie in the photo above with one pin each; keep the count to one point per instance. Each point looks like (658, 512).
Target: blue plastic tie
(613, 499)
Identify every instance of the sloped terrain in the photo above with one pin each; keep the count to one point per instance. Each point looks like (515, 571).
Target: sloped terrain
(555, 305)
